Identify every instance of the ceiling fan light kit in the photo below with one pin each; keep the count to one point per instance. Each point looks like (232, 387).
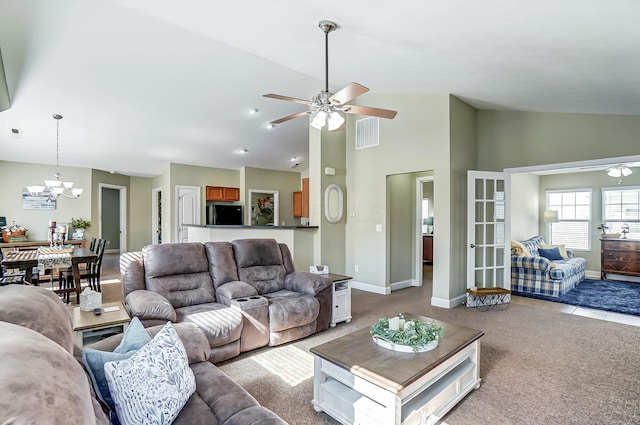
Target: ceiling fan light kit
(328, 106)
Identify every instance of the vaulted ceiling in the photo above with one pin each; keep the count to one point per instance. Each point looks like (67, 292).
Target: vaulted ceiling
(142, 83)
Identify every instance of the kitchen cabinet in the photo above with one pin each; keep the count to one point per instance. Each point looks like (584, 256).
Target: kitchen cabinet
(301, 200)
(427, 248)
(297, 204)
(221, 193)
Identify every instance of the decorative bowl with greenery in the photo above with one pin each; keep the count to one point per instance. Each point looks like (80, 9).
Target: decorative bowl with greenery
(80, 224)
(412, 333)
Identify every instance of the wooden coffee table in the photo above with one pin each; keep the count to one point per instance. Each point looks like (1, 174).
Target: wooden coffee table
(358, 382)
(90, 328)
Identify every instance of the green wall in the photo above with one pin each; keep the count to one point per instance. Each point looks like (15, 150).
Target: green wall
(417, 139)
(14, 176)
(518, 139)
(285, 182)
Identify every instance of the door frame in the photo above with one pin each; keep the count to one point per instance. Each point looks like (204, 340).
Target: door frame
(418, 226)
(155, 210)
(122, 191)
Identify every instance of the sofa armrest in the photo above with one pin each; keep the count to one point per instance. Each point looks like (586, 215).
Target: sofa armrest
(148, 305)
(193, 338)
(235, 289)
(538, 263)
(306, 283)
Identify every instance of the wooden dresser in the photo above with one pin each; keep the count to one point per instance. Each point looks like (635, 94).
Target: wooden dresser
(619, 256)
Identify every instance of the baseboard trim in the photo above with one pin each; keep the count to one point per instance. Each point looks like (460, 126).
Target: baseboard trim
(402, 284)
(445, 303)
(592, 274)
(370, 288)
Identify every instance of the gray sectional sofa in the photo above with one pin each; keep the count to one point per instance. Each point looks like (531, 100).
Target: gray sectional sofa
(243, 294)
(44, 382)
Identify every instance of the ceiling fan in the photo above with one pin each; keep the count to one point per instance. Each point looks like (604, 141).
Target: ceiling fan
(326, 105)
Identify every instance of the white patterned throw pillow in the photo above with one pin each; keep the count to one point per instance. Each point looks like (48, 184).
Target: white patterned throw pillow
(152, 386)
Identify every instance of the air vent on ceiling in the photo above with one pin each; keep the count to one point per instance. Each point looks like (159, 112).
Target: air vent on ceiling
(15, 133)
(367, 134)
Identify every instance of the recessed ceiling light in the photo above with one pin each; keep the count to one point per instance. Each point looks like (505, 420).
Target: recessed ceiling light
(254, 111)
(293, 158)
(243, 150)
(270, 126)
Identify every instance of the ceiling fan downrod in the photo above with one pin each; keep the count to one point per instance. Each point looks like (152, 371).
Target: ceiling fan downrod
(326, 27)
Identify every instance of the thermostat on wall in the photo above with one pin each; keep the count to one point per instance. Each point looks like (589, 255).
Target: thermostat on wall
(330, 171)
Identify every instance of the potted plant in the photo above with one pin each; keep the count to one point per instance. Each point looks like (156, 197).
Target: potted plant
(79, 226)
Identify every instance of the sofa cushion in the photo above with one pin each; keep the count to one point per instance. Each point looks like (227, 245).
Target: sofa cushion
(532, 245)
(42, 383)
(134, 338)
(564, 268)
(24, 305)
(222, 263)
(552, 254)
(561, 248)
(260, 264)
(179, 272)
(289, 310)
(220, 324)
(154, 384)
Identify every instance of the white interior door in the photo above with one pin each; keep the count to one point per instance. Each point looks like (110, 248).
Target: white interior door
(488, 249)
(187, 209)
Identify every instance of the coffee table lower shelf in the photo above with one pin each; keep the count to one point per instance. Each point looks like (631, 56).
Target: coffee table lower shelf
(351, 399)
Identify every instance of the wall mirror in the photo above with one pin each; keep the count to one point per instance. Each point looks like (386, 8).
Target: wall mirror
(333, 203)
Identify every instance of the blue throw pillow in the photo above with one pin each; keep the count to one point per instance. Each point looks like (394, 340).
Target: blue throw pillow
(552, 254)
(134, 338)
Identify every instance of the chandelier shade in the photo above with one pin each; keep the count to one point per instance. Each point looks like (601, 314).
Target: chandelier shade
(56, 187)
(619, 171)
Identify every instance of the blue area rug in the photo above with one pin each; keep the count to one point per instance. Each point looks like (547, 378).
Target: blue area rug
(610, 295)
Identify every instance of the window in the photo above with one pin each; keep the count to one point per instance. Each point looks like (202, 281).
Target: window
(573, 228)
(620, 207)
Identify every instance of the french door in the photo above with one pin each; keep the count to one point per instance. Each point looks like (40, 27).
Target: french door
(488, 236)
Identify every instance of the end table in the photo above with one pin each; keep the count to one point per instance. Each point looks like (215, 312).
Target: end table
(90, 328)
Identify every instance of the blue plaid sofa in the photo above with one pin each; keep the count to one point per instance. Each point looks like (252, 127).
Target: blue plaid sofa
(538, 275)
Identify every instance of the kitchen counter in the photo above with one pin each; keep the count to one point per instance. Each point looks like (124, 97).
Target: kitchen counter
(299, 238)
(230, 226)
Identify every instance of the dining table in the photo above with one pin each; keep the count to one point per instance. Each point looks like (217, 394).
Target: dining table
(45, 257)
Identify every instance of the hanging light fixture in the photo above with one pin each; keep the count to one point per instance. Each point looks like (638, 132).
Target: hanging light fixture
(56, 187)
(619, 171)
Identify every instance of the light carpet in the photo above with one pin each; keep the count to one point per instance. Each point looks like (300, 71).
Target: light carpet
(537, 366)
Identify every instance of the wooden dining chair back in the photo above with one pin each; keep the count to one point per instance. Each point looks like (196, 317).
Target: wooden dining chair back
(92, 245)
(7, 277)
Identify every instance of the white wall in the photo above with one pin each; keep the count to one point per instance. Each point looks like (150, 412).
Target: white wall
(525, 206)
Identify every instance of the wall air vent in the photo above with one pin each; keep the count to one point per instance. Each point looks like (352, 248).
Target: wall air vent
(367, 132)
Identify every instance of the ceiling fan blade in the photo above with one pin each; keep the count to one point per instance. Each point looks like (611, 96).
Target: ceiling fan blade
(367, 110)
(348, 93)
(290, 117)
(287, 98)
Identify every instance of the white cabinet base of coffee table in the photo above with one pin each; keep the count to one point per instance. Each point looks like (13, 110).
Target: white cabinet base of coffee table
(361, 395)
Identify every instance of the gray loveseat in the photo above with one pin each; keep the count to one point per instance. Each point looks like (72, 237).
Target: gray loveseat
(243, 294)
(44, 381)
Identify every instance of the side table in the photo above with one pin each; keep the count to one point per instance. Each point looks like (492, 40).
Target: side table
(341, 311)
(90, 328)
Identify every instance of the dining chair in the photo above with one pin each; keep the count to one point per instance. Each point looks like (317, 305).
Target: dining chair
(92, 271)
(7, 277)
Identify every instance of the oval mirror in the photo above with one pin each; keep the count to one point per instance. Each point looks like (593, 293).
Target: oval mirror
(333, 200)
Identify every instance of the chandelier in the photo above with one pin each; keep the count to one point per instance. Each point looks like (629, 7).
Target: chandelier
(56, 187)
